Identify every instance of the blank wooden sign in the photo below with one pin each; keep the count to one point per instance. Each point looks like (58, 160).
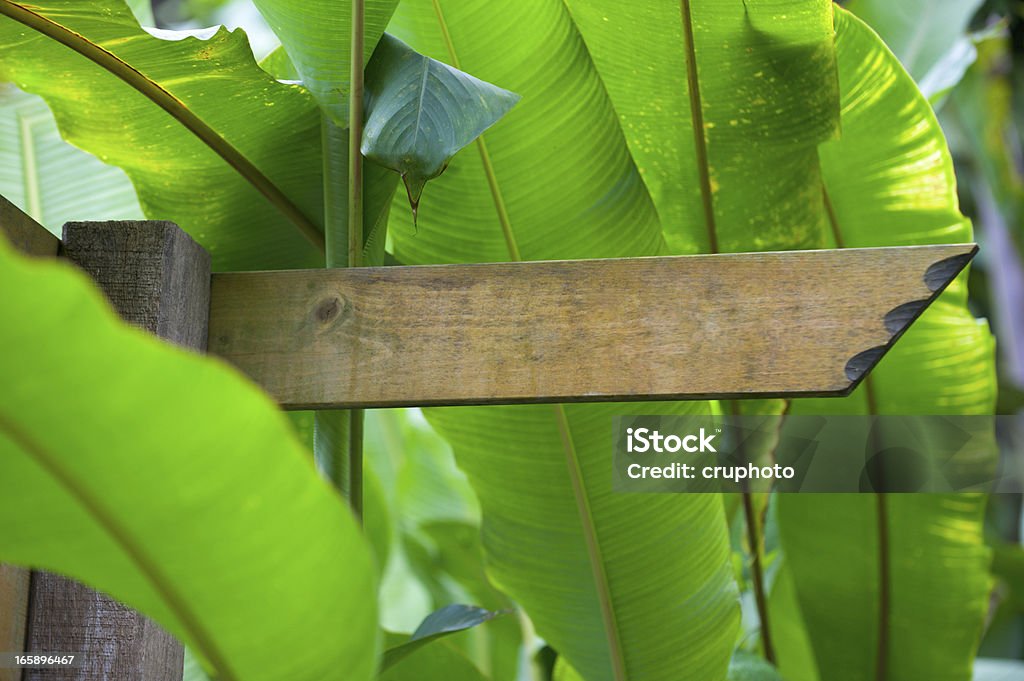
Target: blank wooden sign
(740, 325)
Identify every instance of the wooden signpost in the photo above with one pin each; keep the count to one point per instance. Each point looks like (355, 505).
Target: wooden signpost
(786, 324)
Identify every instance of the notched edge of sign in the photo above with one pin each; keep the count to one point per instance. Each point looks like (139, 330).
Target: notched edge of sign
(937, 277)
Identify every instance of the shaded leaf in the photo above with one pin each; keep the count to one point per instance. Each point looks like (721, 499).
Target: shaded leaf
(226, 536)
(420, 112)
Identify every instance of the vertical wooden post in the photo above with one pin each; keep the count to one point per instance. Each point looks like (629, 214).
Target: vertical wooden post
(158, 279)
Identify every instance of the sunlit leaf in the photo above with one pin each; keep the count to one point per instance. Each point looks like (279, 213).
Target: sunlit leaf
(219, 528)
(934, 597)
(274, 127)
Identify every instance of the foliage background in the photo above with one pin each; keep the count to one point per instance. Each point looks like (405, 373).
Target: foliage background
(423, 517)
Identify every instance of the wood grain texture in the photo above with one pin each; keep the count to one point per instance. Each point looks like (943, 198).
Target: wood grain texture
(158, 279)
(112, 641)
(13, 610)
(738, 325)
(156, 276)
(27, 235)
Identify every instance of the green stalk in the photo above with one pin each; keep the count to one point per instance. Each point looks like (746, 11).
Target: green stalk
(338, 435)
(355, 230)
(331, 432)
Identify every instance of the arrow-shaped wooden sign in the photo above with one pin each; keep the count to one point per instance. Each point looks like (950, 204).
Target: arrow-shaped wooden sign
(745, 325)
(791, 323)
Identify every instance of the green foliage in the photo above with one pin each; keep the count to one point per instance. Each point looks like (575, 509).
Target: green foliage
(438, 662)
(555, 178)
(193, 521)
(450, 619)
(768, 94)
(928, 36)
(748, 667)
(598, 589)
(41, 173)
(177, 176)
(805, 139)
(937, 560)
(317, 38)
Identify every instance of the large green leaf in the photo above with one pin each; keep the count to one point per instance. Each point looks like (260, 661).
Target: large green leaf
(420, 112)
(759, 82)
(273, 126)
(437, 544)
(890, 181)
(317, 36)
(558, 179)
(764, 82)
(554, 179)
(170, 482)
(612, 581)
(48, 178)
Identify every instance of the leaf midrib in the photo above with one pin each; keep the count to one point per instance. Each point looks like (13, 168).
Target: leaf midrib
(147, 567)
(697, 117)
(173, 106)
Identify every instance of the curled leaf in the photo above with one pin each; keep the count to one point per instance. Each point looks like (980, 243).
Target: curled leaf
(420, 112)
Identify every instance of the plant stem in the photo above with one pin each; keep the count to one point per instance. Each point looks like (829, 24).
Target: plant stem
(755, 540)
(700, 142)
(332, 428)
(355, 231)
(757, 549)
(884, 567)
(355, 140)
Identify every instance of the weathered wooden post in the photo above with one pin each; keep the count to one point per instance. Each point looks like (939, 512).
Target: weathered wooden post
(158, 279)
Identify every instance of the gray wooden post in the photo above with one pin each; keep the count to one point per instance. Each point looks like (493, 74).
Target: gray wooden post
(158, 279)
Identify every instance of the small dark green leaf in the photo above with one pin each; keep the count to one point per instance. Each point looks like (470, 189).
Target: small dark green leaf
(420, 112)
(448, 620)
